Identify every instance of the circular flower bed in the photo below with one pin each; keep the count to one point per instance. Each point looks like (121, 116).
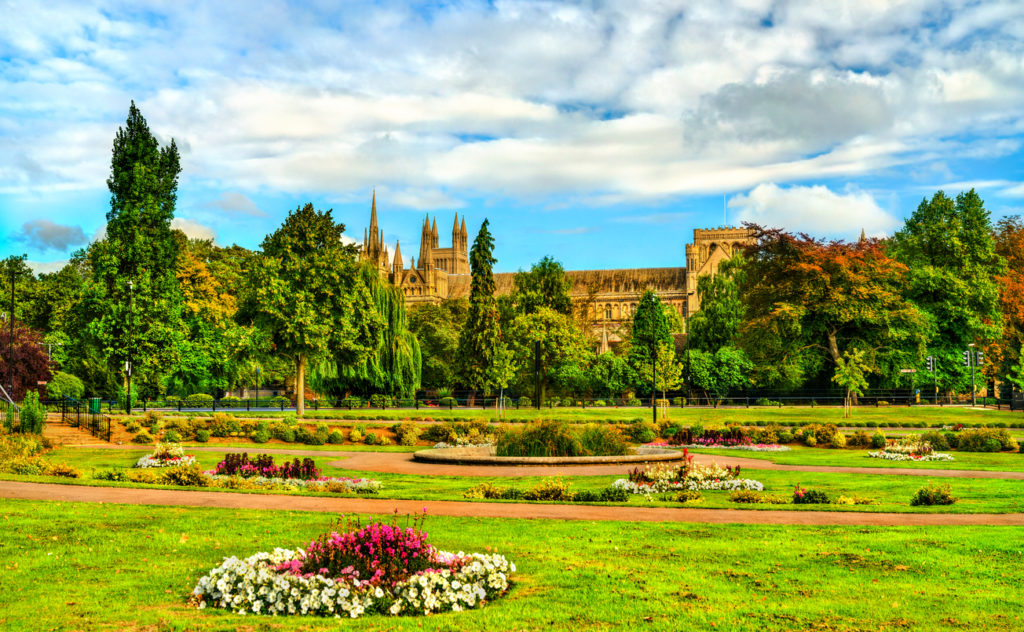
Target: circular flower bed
(661, 478)
(910, 449)
(165, 455)
(377, 569)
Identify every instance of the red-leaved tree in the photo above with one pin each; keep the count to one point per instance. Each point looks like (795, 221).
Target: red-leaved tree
(30, 364)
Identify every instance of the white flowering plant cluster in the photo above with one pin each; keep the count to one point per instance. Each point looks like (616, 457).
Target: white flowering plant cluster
(379, 569)
(910, 449)
(661, 478)
(165, 455)
(466, 442)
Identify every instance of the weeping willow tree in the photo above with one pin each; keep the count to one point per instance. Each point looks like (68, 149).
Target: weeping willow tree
(392, 366)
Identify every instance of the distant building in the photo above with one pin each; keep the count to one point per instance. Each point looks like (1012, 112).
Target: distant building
(609, 297)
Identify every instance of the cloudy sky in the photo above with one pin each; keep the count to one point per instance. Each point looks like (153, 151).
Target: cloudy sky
(601, 133)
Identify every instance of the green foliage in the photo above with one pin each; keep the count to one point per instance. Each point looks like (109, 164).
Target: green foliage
(524, 402)
(545, 285)
(171, 436)
(202, 435)
(63, 385)
(803, 496)
(480, 339)
(335, 437)
(747, 496)
(198, 400)
(986, 440)
(642, 431)
(689, 496)
(408, 432)
(550, 489)
(719, 372)
(650, 329)
(33, 414)
(437, 328)
(949, 248)
(564, 350)
(603, 440)
(721, 312)
(932, 494)
(261, 436)
(139, 247)
(540, 438)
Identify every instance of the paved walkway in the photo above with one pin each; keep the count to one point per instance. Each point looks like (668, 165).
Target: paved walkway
(134, 496)
(403, 463)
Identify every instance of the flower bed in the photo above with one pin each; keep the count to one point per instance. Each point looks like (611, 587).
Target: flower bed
(263, 466)
(165, 455)
(377, 569)
(660, 478)
(749, 447)
(910, 449)
(321, 484)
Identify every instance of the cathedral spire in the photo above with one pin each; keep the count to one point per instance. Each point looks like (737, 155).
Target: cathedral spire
(373, 219)
(396, 267)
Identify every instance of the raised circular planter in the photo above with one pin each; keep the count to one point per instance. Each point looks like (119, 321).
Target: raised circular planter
(485, 456)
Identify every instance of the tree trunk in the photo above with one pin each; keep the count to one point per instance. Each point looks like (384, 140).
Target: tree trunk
(300, 386)
(833, 347)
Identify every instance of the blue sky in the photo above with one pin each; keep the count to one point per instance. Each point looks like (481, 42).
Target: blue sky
(599, 133)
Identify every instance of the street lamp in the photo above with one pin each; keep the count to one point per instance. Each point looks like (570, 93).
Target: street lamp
(131, 335)
(10, 362)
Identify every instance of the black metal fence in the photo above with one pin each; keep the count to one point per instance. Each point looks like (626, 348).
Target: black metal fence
(78, 414)
(471, 400)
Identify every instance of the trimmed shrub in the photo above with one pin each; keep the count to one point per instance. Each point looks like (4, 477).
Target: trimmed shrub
(380, 401)
(551, 489)
(63, 385)
(143, 437)
(448, 401)
(335, 437)
(679, 401)
(642, 431)
(689, 496)
(288, 435)
(859, 439)
(230, 402)
(933, 495)
(172, 436)
(524, 402)
(936, 439)
(202, 435)
(785, 437)
(198, 400)
(408, 432)
(878, 441)
(985, 439)
(371, 438)
(33, 414)
(261, 436)
(185, 475)
(355, 436)
(280, 400)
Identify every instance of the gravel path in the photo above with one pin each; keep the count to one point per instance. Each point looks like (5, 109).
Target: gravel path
(403, 463)
(166, 497)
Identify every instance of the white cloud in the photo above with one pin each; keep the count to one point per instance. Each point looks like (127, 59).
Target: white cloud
(43, 234)
(814, 210)
(46, 267)
(193, 229)
(236, 203)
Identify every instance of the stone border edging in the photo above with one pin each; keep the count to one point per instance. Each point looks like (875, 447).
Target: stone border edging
(483, 455)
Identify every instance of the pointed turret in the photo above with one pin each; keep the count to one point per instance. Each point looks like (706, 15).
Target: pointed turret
(863, 237)
(465, 235)
(396, 267)
(455, 232)
(373, 212)
(433, 234)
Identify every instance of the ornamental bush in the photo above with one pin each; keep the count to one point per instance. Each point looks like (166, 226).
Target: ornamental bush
(202, 435)
(933, 495)
(335, 437)
(198, 400)
(33, 415)
(552, 489)
(63, 385)
(540, 438)
(803, 496)
(878, 441)
(642, 431)
(230, 401)
(602, 440)
(408, 432)
(524, 402)
(978, 440)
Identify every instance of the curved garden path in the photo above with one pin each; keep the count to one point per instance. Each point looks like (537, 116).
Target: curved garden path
(135, 496)
(403, 463)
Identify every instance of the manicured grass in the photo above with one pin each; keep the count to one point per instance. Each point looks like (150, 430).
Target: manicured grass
(944, 415)
(890, 493)
(63, 570)
(990, 461)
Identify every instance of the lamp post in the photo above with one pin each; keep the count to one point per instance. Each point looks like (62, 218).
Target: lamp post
(131, 335)
(257, 387)
(654, 386)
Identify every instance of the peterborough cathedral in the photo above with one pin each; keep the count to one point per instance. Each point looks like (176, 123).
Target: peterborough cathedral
(609, 297)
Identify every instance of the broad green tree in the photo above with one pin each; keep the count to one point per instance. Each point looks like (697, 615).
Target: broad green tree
(807, 302)
(544, 285)
(563, 349)
(302, 289)
(952, 264)
(437, 329)
(669, 374)
(721, 312)
(716, 373)
(481, 337)
(650, 330)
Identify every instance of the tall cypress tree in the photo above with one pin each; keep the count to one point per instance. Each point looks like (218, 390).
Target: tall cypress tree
(139, 248)
(481, 337)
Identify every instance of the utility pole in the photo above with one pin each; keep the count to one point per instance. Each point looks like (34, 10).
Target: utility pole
(131, 335)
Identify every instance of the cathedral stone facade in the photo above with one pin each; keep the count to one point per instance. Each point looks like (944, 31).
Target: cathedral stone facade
(608, 297)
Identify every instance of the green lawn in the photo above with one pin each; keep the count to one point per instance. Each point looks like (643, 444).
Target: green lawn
(890, 493)
(945, 415)
(71, 566)
(997, 462)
